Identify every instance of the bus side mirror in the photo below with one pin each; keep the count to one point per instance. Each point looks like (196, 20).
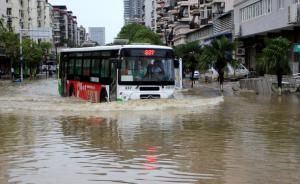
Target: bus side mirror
(176, 63)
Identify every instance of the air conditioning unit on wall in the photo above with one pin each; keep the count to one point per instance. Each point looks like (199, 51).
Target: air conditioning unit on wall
(241, 60)
(240, 52)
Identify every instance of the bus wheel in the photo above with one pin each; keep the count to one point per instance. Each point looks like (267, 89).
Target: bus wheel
(71, 91)
(103, 96)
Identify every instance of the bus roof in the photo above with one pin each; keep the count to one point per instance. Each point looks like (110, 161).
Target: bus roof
(114, 47)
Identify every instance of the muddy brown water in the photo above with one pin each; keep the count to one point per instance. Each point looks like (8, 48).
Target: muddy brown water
(199, 137)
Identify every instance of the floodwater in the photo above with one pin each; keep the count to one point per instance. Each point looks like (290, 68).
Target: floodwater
(199, 137)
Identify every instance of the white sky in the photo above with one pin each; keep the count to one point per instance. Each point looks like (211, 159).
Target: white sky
(97, 13)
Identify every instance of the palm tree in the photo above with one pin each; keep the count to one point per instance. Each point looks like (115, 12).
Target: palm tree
(188, 52)
(274, 59)
(217, 54)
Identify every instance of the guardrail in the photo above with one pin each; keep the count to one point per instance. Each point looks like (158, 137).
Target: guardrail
(268, 84)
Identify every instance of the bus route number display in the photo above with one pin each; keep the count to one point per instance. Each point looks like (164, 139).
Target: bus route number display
(149, 52)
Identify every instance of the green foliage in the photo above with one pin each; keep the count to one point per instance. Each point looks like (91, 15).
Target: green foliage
(32, 52)
(217, 53)
(10, 42)
(274, 57)
(188, 52)
(137, 33)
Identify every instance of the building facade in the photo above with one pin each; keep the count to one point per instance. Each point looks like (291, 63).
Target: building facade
(26, 14)
(82, 35)
(133, 11)
(97, 34)
(257, 19)
(64, 27)
(180, 21)
(149, 14)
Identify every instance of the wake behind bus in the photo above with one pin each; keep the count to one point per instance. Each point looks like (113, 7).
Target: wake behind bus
(110, 73)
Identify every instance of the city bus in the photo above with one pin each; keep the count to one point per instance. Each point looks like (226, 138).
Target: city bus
(110, 73)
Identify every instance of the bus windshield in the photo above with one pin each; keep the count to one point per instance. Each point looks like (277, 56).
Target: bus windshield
(150, 69)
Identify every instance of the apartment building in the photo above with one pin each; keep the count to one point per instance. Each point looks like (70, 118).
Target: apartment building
(82, 35)
(149, 14)
(257, 19)
(201, 20)
(64, 27)
(3, 8)
(97, 34)
(133, 11)
(25, 14)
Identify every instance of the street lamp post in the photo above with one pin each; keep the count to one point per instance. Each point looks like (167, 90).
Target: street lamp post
(21, 55)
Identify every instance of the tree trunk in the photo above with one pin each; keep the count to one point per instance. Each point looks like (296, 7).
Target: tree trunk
(279, 81)
(220, 65)
(221, 79)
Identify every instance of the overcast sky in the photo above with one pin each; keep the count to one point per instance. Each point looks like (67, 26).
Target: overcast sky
(97, 13)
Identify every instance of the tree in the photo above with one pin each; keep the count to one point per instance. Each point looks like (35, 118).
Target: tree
(10, 42)
(189, 52)
(274, 58)
(217, 54)
(32, 54)
(137, 33)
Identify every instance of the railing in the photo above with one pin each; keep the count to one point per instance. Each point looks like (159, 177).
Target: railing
(268, 84)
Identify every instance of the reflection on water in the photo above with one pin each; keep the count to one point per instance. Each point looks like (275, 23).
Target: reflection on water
(241, 139)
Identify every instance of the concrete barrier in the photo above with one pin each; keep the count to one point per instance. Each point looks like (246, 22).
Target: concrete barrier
(258, 85)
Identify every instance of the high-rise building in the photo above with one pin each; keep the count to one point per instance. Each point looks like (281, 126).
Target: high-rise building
(64, 27)
(133, 11)
(20, 14)
(149, 14)
(81, 35)
(97, 34)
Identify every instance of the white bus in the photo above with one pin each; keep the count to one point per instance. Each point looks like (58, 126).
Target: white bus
(108, 73)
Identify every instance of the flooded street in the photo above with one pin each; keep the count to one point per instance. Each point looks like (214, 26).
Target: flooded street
(199, 137)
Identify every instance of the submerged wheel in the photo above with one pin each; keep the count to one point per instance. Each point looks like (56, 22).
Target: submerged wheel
(103, 96)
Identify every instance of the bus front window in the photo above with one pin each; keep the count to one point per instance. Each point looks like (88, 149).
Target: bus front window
(138, 69)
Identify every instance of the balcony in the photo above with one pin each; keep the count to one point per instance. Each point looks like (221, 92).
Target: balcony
(294, 14)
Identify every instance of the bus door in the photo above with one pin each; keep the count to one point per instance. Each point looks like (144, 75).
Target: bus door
(64, 73)
(113, 76)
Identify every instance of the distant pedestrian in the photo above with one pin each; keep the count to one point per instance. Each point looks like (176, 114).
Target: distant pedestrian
(12, 70)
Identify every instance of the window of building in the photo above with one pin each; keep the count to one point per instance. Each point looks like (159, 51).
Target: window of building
(259, 8)
(8, 11)
(297, 1)
(280, 4)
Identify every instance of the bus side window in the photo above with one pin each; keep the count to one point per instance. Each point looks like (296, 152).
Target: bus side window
(71, 67)
(105, 68)
(78, 66)
(86, 67)
(95, 67)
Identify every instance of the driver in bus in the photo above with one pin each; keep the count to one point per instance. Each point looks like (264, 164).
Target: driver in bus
(155, 71)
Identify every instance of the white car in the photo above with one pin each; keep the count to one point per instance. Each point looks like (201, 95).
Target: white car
(240, 72)
(196, 75)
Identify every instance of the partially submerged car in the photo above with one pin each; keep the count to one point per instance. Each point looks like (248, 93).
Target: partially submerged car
(240, 72)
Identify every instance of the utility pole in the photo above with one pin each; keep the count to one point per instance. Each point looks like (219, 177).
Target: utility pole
(21, 55)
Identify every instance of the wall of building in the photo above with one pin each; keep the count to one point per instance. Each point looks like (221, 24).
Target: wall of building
(276, 19)
(2, 8)
(150, 14)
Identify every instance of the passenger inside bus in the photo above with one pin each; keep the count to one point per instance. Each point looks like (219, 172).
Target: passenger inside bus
(155, 71)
